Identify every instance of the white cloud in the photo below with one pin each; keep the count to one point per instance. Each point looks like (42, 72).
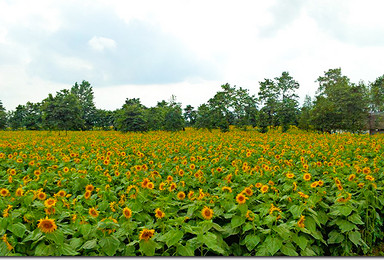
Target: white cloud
(100, 43)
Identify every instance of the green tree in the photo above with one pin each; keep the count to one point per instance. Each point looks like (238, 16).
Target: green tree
(16, 117)
(190, 115)
(103, 119)
(131, 117)
(174, 120)
(376, 95)
(84, 94)
(230, 106)
(339, 104)
(3, 116)
(155, 116)
(304, 121)
(32, 117)
(279, 100)
(62, 112)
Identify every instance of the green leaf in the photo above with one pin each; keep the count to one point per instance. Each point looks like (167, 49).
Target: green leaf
(345, 210)
(355, 218)
(345, 225)
(301, 241)
(18, 229)
(283, 231)
(251, 241)
(3, 249)
(210, 240)
(355, 237)
(335, 237)
(56, 236)
(147, 247)
(129, 251)
(34, 236)
(67, 249)
(90, 244)
(171, 237)
(109, 245)
(296, 211)
(308, 252)
(76, 242)
(185, 251)
(288, 250)
(273, 244)
(237, 221)
(44, 250)
(85, 229)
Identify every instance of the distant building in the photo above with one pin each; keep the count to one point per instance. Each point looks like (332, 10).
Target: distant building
(376, 123)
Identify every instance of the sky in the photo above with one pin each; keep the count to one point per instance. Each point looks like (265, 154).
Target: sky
(151, 49)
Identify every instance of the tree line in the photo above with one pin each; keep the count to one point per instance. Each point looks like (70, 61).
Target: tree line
(339, 105)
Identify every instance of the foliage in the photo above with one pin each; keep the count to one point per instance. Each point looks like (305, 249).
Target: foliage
(84, 94)
(339, 104)
(280, 105)
(131, 116)
(62, 112)
(3, 116)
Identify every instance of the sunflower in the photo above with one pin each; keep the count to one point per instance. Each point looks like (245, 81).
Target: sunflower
(87, 194)
(300, 223)
(66, 169)
(225, 188)
(248, 191)
(351, 177)
(314, 184)
(290, 175)
(41, 195)
(49, 203)
(366, 170)
(146, 234)
(127, 212)
(181, 195)
(190, 195)
(264, 188)
(37, 173)
(161, 186)
(172, 187)
(93, 212)
(192, 166)
(258, 185)
(369, 178)
(320, 182)
(241, 198)
(250, 215)
(50, 211)
(4, 192)
(61, 193)
(339, 187)
(207, 213)
(169, 178)
(145, 182)
(150, 185)
(159, 214)
(19, 192)
(47, 225)
(307, 176)
(89, 187)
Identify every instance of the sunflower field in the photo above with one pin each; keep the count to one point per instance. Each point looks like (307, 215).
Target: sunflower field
(190, 193)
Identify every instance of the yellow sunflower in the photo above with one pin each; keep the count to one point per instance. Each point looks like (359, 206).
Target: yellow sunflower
(207, 213)
(127, 212)
(47, 225)
(146, 234)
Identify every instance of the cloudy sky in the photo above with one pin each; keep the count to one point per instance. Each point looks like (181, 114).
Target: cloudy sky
(151, 49)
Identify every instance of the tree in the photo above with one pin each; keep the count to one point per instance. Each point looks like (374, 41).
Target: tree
(376, 95)
(230, 106)
(305, 114)
(279, 100)
(339, 104)
(155, 116)
(3, 116)
(173, 120)
(190, 115)
(16, 117)
(131, 117)
(62, 112)
(103, 119)
(84, 94)
(32, 117)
